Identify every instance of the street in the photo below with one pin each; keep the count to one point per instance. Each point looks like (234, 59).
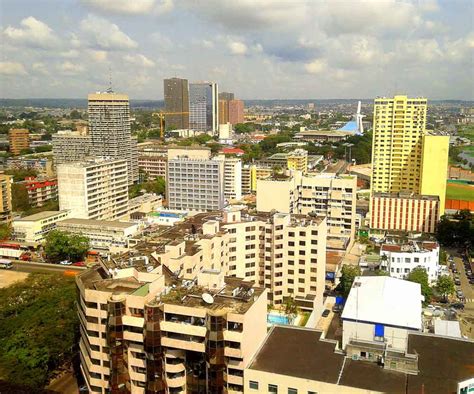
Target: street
(30, 266)
(466, 317)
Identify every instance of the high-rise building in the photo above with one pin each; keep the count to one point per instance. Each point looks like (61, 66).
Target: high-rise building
(110, 130)
(236, 111)
(5, 198)
(94, 188)
(223, 111)
(195, 184)
(226, 96)
(70, 146)
(204, 106)
(19, 139)
(399, 127)
(176, 95)
(408, 165)
(232, 177)
(323, 195)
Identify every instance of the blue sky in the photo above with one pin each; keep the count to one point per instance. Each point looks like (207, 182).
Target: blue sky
(257, 49)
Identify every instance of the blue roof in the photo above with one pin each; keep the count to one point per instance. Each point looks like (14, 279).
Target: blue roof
(349, 126)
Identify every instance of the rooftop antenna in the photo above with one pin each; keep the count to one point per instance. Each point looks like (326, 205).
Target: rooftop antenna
(109, 89)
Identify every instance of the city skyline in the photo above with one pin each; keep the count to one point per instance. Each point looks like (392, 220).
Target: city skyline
(269, 51)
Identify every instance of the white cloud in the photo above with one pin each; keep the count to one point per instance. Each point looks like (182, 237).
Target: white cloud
(139, 60)
(32, 33)
(98, 56)
(130, 7)
(106, 35)
(207, 44)
(68, 68)
(161, 41)
(317, 66)
(237, 48)
(71, 54)
(12, 68)
(40, 68)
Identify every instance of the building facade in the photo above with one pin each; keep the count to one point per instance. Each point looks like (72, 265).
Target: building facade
(194, 184)
(400, 260)
(322, 195)
(70, 146)
(236, 111)
(176, 95)
(34, 228)
(404, 212)
(110, 130)
(5, 198)
(94, 189)
(204, 106)
(19, 139)
(232, 177)
(41, 190)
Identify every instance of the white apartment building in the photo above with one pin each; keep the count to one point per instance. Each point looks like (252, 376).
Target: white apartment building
(34, 228)
(110, 129)
(70, 146)
(194, 184)
(400, 260)
(232, 177)
(326, 194)
(94, 189)
(103, 234)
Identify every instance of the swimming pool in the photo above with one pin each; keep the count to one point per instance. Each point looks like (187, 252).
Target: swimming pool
(277, 319)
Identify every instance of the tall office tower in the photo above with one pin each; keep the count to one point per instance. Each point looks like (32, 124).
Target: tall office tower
(223, 111)
(176, 101)
(19, 140)
(204, 106)
(195, 184)
(70, 146)
(236, 111)
(399, 126)
(110, 131)
(94, 188)
(5, 198)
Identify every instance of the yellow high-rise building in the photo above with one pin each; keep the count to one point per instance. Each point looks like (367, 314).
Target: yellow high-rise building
(434, 167)
(399, 126)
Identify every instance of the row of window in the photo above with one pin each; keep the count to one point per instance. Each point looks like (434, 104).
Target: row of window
(273, 388)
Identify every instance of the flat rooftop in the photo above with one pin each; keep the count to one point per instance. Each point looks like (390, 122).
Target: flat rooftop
(96, 223)
(40, 216)
(411, 196)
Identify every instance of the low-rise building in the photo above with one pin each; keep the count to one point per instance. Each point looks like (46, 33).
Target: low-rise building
(103, 234)
(400, 260)
(296, 160)
(41, 190)
(34, 228)
(153, 160)
(43, 165)
(404, 212)
(5, 198)
(323, 135)
(380, 312)
(145, 203)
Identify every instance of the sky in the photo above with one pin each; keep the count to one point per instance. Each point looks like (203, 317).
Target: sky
(265, 49)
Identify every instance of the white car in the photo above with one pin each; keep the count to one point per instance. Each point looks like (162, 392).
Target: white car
(65, 262)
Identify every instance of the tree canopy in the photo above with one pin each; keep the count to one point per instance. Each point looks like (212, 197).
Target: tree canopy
(157, 186)
(445, 286)
(457, 232)
(419, 275)
(20, 199)
(61, 245)
(349, 272)
(39, 326)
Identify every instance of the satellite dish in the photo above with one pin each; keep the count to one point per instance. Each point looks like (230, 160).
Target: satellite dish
(207, 298)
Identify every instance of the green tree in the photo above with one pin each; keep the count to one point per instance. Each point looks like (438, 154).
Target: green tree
(27, 151)
(44, 148)
(20, 199)
(445, 286)
(61, 245)
(349, 272)
(291, 308)
(5, 231)
(19, 174)
(419, 275)
(443, 257)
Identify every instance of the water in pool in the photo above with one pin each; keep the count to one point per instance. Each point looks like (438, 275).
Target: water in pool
(277, 319)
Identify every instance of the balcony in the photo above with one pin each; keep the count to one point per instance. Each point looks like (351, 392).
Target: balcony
(183, 328)
(185, 344)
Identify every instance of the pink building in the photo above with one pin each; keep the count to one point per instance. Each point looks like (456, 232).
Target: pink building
(236, 111)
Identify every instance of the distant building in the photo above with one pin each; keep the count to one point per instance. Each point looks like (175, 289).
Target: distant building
(236, 111)
(400, 260)
(41, 190)
(404, 212)
(70, 146)
(176, 95)
(226, 96)
(153, 161)
(204, 106)
(34, 228)
(19, 140)
(5, 198)
(322, 136)
(296, 160)
(94, 189)
(195, 184)
(110, 130)
(43, 165)
(223, 112)
(232, 177)
(145, 203)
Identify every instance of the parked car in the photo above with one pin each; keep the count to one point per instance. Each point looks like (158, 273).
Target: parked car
(337, 308)
(457, 281)
(457, 305)
(65, 262)
(79, 264)
(471, 281)
(326, 313)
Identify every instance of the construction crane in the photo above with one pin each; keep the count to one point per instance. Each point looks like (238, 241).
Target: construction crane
(162, 115)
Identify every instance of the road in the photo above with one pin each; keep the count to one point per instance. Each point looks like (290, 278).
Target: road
(65, 384)
(32, 266)
(467, 316)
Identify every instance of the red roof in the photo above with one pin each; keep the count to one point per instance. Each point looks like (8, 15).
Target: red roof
(235, 151)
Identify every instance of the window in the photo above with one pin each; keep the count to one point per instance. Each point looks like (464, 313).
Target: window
(272, 388)
(253, 385)
(312, 392)
(292, 391)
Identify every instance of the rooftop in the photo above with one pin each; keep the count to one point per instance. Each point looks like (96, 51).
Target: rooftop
(411, 196)
(384, 300)
(412, 247)
(96, 223)
(40, 216)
